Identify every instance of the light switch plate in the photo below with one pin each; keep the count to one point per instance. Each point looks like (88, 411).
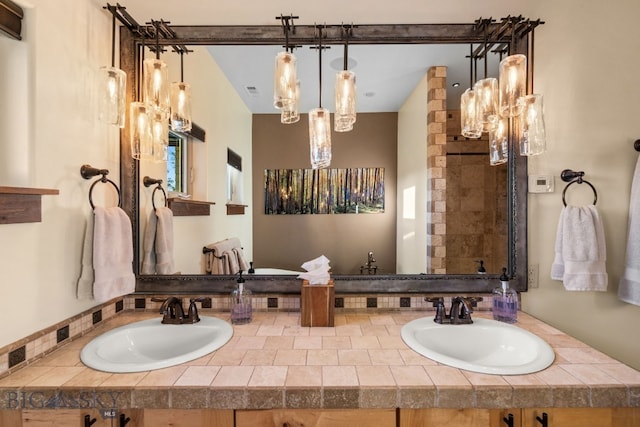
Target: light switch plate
(540, 183)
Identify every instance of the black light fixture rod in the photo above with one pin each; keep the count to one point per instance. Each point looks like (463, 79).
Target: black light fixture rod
(286, 27)
(471, 66)
(113, 38)
(320, 66)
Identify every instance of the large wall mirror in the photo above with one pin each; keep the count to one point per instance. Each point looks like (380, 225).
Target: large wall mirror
(369, 233)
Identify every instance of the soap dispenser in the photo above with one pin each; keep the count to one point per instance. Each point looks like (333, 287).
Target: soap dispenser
(240, 304)
(505, 301)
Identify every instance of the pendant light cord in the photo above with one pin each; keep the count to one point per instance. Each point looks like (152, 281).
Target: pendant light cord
(113, 40)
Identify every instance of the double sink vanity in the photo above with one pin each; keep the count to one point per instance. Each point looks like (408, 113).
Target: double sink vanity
(374, 368)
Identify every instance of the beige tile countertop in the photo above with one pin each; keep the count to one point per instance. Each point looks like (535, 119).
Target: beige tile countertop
(362, 362)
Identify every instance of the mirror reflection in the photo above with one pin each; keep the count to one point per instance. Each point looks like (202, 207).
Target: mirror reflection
(233, 98)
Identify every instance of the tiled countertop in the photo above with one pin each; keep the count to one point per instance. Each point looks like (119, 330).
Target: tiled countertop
(362, 362)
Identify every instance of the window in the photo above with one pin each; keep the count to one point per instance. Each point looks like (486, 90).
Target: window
(177, 163)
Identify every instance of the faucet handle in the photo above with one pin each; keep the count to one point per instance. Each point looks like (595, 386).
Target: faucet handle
(437, 301)
(192, 313)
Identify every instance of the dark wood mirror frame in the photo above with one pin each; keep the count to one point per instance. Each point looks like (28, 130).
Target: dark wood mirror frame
(130, 54)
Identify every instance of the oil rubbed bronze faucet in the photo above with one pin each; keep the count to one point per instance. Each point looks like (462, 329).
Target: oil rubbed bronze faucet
(173, 313)
(460, 312)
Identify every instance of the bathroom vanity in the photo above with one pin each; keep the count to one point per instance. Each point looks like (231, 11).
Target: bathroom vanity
(274, 372)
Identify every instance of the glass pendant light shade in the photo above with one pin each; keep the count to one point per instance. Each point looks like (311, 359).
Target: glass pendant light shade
(486, 91)
(113, 82)
(284, 80)
(181, 107)
(140, 132)
(160, 136)
(469, 117)
(513, 82)
(156, 85)
(533, 140)
(320, 138)
(499, 142)
(290, 114)
(345, 97)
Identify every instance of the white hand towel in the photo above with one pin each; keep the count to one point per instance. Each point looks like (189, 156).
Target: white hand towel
(629, 286)
(583, 249)
(557, 268)
(85, 282)
(148, 243)
(112, 254)
(164, 241)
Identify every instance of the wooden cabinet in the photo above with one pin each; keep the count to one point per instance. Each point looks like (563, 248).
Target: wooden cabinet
(432, 417)
(458, 417)
(582, 417)
(136, 418)
(316, 418)
(187, 418)
(67, 418)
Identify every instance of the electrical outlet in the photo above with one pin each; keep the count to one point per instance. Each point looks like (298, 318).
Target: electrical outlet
(532, 276)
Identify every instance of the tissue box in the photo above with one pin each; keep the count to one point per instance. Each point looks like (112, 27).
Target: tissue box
(317, 304)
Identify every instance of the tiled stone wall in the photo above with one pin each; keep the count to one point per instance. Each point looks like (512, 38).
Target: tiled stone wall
(476, 203)
(436, 170)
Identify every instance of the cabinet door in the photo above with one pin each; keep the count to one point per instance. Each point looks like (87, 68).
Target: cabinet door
(63, 418)
(582, 417)
(317, 418)
(472, 417)
(11, 417)
(187, 418)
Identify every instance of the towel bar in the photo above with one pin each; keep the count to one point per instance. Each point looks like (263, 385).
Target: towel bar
(148, 181)
(573, 177)
(88, 172)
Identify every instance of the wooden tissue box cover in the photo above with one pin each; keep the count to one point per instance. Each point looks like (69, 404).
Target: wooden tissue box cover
(317, 304)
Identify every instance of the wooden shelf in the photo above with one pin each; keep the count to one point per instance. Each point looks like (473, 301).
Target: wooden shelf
(233, 209)
(182, 207)
(22, 204)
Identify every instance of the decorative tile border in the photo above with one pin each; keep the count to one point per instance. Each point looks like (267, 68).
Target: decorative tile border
(35, 346)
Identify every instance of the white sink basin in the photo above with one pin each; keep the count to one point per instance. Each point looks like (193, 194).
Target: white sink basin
(485, 346)
(149, 344)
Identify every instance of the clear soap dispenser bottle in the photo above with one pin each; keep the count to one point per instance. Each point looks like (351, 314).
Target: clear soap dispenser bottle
(241, 311)
(505, 301)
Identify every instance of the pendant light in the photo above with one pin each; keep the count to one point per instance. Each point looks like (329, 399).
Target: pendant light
(290, 113)
(140, 131)
(113, 83)
(533, 138)
(285, 76)
(471, 126)
(155, 81)
(320, 123)
(345, 92)
(181, 100)
(486, 90)
(513, 81)
(499, 142)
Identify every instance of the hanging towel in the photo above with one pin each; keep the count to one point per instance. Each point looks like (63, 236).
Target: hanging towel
(85, 282)
(629, 286)
(243, 264)
(164, 241)
(148, 242)
(580, 250)
(112, 254)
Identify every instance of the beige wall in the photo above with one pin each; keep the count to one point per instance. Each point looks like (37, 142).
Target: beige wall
(586, 66)
(411, 230)
(218, 109)
(286, 241)
(53, 92)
